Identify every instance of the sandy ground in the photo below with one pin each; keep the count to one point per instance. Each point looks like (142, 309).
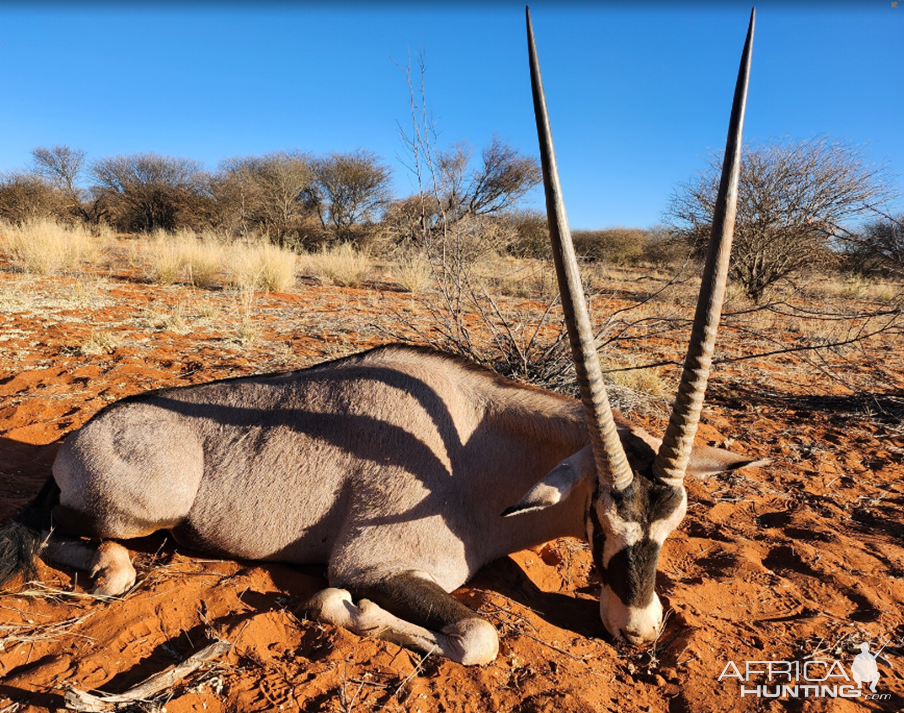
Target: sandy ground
(800, 561)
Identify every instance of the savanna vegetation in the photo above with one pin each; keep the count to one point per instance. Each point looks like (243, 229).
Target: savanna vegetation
(810, 212)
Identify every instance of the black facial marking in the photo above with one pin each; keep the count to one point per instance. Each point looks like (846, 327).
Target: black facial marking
(631, 572)
(646, 501)
(597, 534)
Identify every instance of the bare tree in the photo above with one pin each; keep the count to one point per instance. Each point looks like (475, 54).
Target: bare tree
(404, 220)
(25, 196)
(450, 187)
(60, 165)
(877, 246)
(793, 198)
(457, 216)
(499, 180)
(63, 167)
(349, 190)
(456, 190)
(267, 194)
(147, 191)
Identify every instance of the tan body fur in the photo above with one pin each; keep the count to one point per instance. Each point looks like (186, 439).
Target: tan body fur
(394, 460)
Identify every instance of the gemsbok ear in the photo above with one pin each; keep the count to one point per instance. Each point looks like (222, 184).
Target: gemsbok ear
(704, 460)
(558, 484)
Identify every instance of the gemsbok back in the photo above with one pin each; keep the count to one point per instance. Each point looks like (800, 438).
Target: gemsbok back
(404, 469)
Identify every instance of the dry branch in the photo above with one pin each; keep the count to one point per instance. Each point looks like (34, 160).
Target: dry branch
(83, 701)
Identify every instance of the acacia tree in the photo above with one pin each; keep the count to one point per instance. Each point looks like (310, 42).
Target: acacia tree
(269, 194)
(878, 246)
(25, 196)
(349, 190)
(63, 167)
(147, 191)
(793, 197)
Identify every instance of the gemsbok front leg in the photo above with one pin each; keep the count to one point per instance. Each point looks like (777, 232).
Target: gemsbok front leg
(108, 563)
(412, 610)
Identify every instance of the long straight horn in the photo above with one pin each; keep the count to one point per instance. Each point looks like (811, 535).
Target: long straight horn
(671, 461)
(611, 463)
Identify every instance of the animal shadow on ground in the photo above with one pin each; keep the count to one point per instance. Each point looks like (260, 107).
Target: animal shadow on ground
(575, 614)
(23, 469)
(885, 407)
(21, 696)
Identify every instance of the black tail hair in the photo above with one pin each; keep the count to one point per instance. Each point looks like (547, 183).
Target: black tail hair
(21, 538)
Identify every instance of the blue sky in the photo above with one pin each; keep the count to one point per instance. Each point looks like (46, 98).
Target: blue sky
(638, 93)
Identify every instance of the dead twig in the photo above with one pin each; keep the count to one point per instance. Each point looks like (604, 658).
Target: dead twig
(414, 672)
(83, 701)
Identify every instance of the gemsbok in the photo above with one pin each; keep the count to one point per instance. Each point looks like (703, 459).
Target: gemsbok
(404, 469)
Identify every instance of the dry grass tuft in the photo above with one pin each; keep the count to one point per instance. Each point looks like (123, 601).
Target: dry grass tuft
(341, 265)
(87, 293)
(246, 332)
(411, 271)
(45, 246)
(203, 263)
(98, 342)
(164, 261)
(207, 261)
(262, 266)
(170, 320)
(13, 635)
(854, 287)
(184, 256)
(503, 275)
(644, 381)
(643, 391)
(40, 590)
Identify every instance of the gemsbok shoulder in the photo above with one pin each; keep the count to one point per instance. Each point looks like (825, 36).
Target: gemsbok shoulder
(404, 469)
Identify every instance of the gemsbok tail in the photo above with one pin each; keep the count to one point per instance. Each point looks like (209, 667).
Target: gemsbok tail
(22, 537)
